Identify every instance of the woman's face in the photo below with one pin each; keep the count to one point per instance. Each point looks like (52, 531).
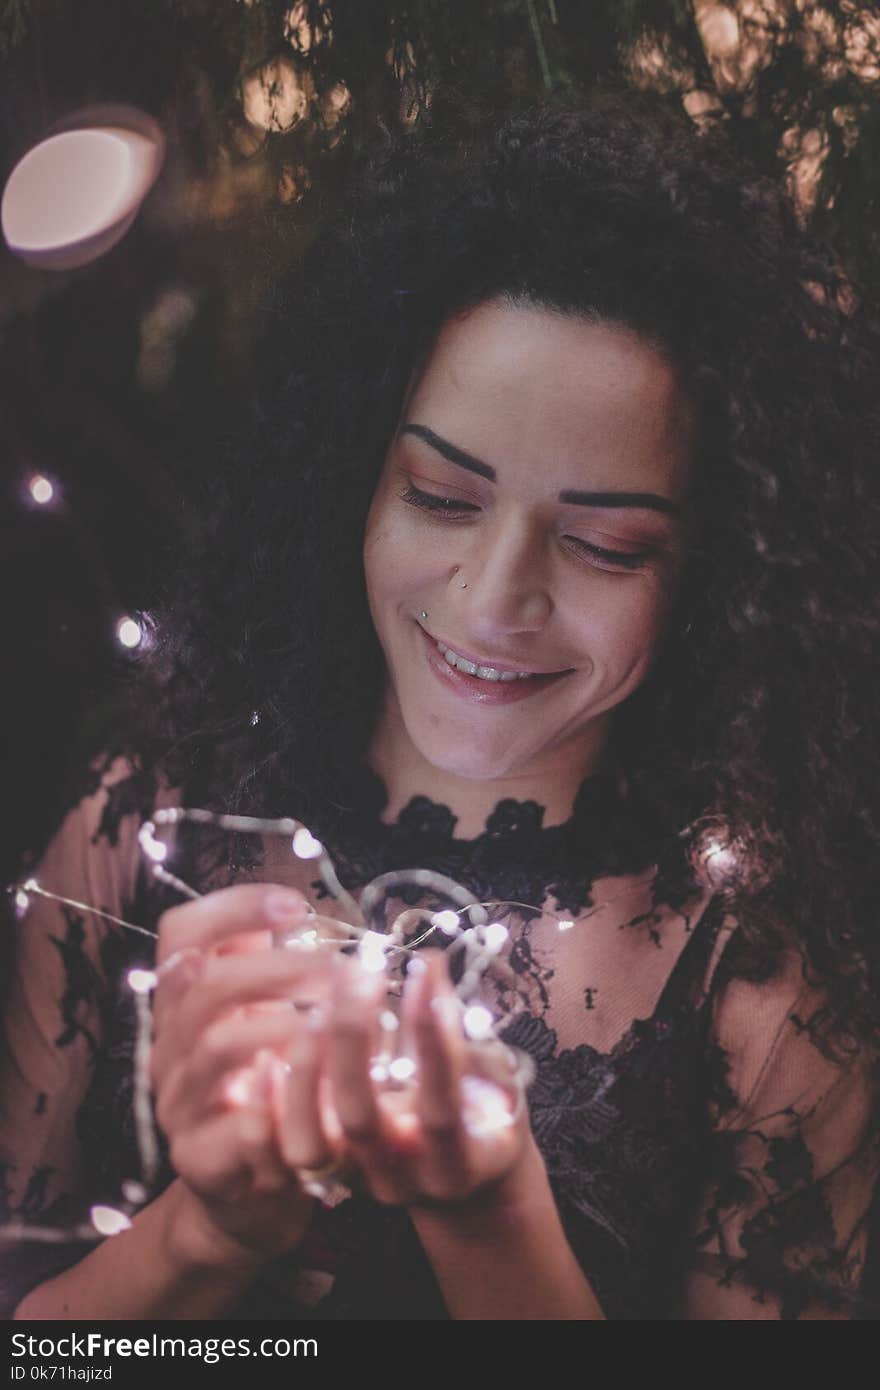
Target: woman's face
(532, 505)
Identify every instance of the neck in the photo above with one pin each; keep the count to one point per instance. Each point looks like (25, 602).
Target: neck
(553, 780)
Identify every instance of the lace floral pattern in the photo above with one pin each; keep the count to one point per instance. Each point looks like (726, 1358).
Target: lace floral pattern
(707, 1162)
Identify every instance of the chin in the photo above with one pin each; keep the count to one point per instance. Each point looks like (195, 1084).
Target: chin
(468, 760)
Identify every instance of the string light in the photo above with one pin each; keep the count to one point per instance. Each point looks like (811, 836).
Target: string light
(718, 859)
(108, 1221)
(41, 489)
(402, 1069)
(142, 981)
(371, 951)
(477, 1022)
(153, 848)
(241, 1090)
(495, 935)
(487, 1107)
(305, 846)
(129, 633)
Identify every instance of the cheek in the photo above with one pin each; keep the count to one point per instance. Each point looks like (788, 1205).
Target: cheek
(625, 627)
(379, 550)
(396, 559)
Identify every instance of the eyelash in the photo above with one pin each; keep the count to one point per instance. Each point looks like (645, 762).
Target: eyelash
(449, 509)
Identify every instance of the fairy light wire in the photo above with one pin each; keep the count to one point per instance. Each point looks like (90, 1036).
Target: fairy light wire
(480, 949)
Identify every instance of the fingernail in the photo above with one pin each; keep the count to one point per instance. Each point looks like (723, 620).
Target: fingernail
(285, 907)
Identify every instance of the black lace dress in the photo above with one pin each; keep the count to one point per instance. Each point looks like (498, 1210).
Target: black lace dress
(707, 1160)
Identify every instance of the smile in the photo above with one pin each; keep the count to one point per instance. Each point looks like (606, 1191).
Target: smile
(484, 673)
(483, 684)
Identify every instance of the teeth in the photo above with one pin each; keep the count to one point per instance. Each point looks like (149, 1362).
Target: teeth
(484, 673)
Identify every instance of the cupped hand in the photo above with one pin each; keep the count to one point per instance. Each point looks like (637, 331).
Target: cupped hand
(224, 1016)
(457, 1125)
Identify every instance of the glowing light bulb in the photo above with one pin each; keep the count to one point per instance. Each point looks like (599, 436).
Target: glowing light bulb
(495, 935)
(108, 1221)
(134, 1192)
(22, 902)
(154, 849)
(243, 1088)
(389, 1021)
(566, 924)
(379, 1071)
(129, 633)
(142, 981)
(402, 1068)
(41, 489)
(301, 941)
(371, 951)
(719, 861)
(447, 921)
(305, 846)
(477, 1022)
(486, 1109)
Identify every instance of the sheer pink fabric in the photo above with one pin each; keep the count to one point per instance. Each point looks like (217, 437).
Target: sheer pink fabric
(709, 1162)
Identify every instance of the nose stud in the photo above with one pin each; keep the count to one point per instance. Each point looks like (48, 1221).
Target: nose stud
(424, 615)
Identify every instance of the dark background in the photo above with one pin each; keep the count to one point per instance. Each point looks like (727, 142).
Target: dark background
(117, 380)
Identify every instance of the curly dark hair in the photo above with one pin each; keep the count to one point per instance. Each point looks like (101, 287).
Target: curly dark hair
(759, 716)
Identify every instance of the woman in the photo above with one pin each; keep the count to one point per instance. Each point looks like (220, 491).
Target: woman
(545, 565)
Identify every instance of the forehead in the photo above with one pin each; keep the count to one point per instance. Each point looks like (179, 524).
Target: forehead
(527, 388)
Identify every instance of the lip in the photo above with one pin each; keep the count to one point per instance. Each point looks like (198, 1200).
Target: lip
(496, 665)
(482, 692)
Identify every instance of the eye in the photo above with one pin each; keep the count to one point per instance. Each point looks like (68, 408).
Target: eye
(450, 508)
(440, 506)
(612, 559)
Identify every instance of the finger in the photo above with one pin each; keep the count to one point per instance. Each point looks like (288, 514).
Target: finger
(190, 1091)
(227, 913)
(177, 974)
(433, 1021)
(230, 982)
(353, 1029)
(243, 944)
(302, 1134)
(230, 1154)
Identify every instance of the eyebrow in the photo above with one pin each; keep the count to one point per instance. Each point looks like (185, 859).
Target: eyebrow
(651, 500)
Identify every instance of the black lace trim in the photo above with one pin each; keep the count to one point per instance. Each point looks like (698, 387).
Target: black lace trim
(516, 858)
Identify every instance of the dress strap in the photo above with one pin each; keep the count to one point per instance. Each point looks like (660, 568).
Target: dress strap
(693, 960)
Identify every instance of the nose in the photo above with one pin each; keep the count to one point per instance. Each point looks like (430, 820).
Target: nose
(501, 585)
